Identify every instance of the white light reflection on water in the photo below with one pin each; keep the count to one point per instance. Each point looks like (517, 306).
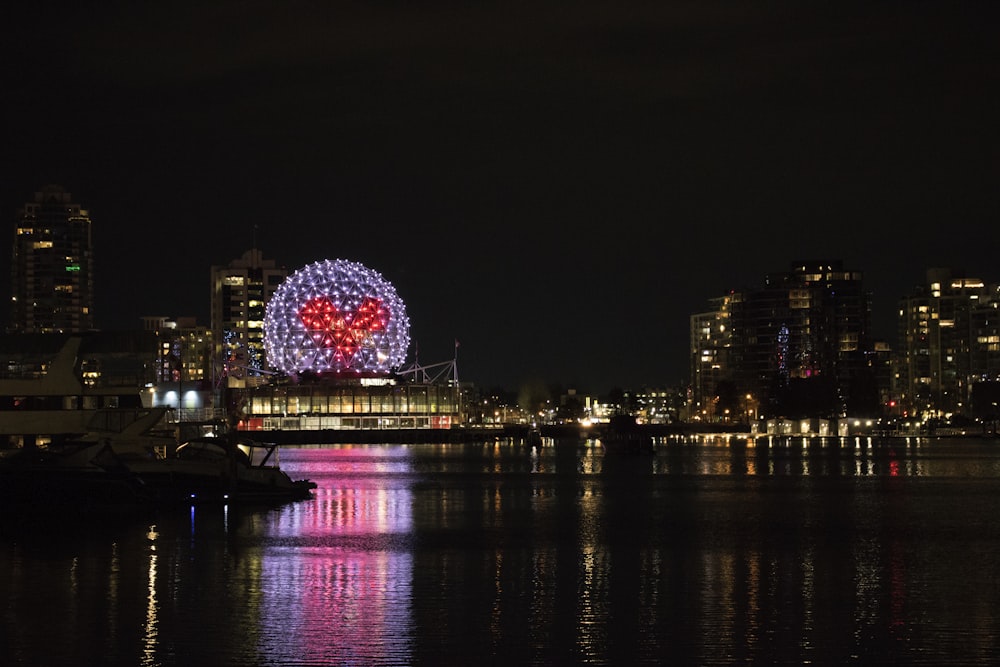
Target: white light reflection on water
(591, 614)
(150, 638)
(336, 573)
(590, 459)
(695, 554)
(802, 456)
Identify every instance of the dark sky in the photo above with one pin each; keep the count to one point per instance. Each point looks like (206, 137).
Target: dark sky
(557, 185)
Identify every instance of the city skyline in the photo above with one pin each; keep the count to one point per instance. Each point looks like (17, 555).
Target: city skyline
(844, 284)
(557, 192)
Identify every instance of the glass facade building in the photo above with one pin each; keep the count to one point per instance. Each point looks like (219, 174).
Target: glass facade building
(325, 405)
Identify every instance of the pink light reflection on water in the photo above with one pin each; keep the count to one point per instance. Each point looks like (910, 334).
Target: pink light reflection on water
(338, 573)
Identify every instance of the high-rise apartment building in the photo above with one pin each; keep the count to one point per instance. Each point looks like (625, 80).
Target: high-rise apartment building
(949, 341)
(52, 266)
(184, 349)
(800, 345)
(803, 341)
(912, 377)
(711, 350)
(985, 328)
(240, 292)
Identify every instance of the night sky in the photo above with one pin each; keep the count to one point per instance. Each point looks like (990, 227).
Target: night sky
(556, 185)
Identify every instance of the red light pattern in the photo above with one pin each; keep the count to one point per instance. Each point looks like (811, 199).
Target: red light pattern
(335, 316)
(345, 331)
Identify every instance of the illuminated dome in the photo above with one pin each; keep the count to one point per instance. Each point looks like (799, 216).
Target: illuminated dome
(336, 316)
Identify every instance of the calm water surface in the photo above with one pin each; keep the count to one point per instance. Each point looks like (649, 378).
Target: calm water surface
(710, 551)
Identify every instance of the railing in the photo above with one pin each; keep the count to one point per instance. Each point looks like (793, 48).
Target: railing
(370, 422)
(175, 415)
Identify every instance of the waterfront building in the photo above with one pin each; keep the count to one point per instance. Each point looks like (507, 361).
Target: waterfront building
(575, 407)
(187, 373)
(495, 407)
(185, 351)
(912, 376)
(882, 357)
(331, 403)
(800, 345)
(52, 267)
(336, 336)
(985, 321)
(240, 293)
(711, 337)
(803, 342)
(652, 405)
(949, 330)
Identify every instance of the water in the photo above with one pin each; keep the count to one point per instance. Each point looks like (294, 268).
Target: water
(708, 552)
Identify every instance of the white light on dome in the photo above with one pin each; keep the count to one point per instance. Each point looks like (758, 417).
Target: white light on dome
(336, 316)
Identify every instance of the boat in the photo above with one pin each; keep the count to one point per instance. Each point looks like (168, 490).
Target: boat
(217, 469)
(63, 452)
(56, 403)
(137, 468)
(72, 478)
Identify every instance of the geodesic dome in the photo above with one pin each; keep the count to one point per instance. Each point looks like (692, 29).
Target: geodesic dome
(336, 316)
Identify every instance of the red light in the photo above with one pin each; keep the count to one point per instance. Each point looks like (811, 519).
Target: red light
(328, 327)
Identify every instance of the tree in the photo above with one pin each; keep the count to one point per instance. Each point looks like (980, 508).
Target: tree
(533, 396)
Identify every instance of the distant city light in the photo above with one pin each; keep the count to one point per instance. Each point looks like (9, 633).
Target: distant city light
(336, 316)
